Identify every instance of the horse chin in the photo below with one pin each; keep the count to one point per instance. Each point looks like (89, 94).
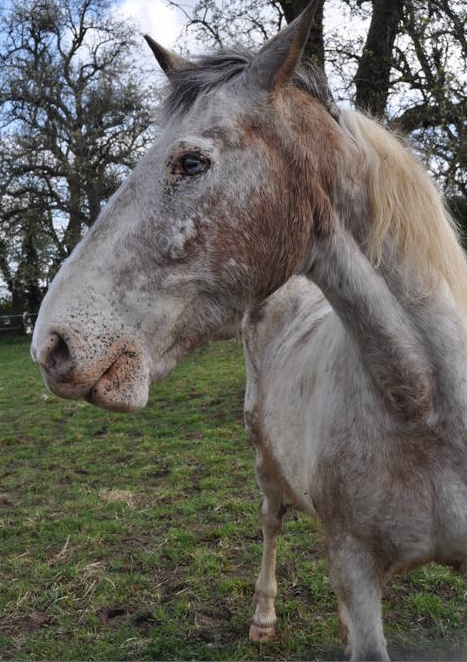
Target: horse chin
(124, 386)
(103, 395)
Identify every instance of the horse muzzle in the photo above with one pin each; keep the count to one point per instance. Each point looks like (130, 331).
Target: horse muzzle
(108, 372)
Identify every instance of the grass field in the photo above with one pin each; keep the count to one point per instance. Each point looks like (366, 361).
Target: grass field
(135, 537)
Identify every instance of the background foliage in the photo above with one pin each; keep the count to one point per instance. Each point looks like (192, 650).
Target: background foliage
(75, 115)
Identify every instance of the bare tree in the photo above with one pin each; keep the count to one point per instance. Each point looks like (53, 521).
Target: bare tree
(74, 117)
(372, 80)
(430, 75)
(407, 64)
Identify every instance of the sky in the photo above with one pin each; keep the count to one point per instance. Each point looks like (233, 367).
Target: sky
(166, 24)
(154, 17)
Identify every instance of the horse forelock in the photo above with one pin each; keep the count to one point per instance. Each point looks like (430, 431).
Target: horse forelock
(202, 76)
(209, 72)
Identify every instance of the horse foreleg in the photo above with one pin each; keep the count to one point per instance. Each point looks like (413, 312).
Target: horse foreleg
(272, 511)
(358, 585)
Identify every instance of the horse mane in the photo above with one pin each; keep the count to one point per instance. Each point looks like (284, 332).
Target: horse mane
(407, 208)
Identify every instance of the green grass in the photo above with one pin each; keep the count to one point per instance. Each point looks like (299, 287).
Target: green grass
(136, 537)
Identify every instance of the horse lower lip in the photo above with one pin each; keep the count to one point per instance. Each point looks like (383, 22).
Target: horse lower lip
(122, 387)
(63, 388)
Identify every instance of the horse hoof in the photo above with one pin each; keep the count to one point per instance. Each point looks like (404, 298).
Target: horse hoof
(262, 632)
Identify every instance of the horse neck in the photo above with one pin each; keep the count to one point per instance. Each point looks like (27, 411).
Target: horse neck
(407, 323)
(356, 180)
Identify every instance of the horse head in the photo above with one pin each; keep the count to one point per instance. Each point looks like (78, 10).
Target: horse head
(215, 217)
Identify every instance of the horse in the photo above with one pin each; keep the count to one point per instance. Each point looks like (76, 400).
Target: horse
(262, 199)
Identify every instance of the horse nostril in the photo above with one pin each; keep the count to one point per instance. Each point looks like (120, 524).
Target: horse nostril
(55, 352)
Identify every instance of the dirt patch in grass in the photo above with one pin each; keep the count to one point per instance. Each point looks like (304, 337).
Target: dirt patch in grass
(26, 624)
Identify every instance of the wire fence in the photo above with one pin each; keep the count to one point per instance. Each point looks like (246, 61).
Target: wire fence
(17, 324)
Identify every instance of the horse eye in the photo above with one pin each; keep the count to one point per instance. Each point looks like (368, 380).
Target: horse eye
(192, 164)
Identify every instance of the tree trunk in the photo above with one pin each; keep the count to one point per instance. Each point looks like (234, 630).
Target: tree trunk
(373, 75)
(73, 232)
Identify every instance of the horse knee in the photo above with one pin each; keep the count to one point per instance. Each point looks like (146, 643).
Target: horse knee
(272, 509)
(271, 514)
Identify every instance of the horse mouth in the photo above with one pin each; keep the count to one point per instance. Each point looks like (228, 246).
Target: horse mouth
(117, 381)
(123, 387)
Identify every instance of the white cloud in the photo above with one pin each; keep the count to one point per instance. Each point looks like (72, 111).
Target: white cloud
(155, 18)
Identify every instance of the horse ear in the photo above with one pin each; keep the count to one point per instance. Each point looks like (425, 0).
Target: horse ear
(169, 62)
(275, 63)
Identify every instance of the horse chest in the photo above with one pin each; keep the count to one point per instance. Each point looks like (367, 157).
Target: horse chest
(293, 455)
